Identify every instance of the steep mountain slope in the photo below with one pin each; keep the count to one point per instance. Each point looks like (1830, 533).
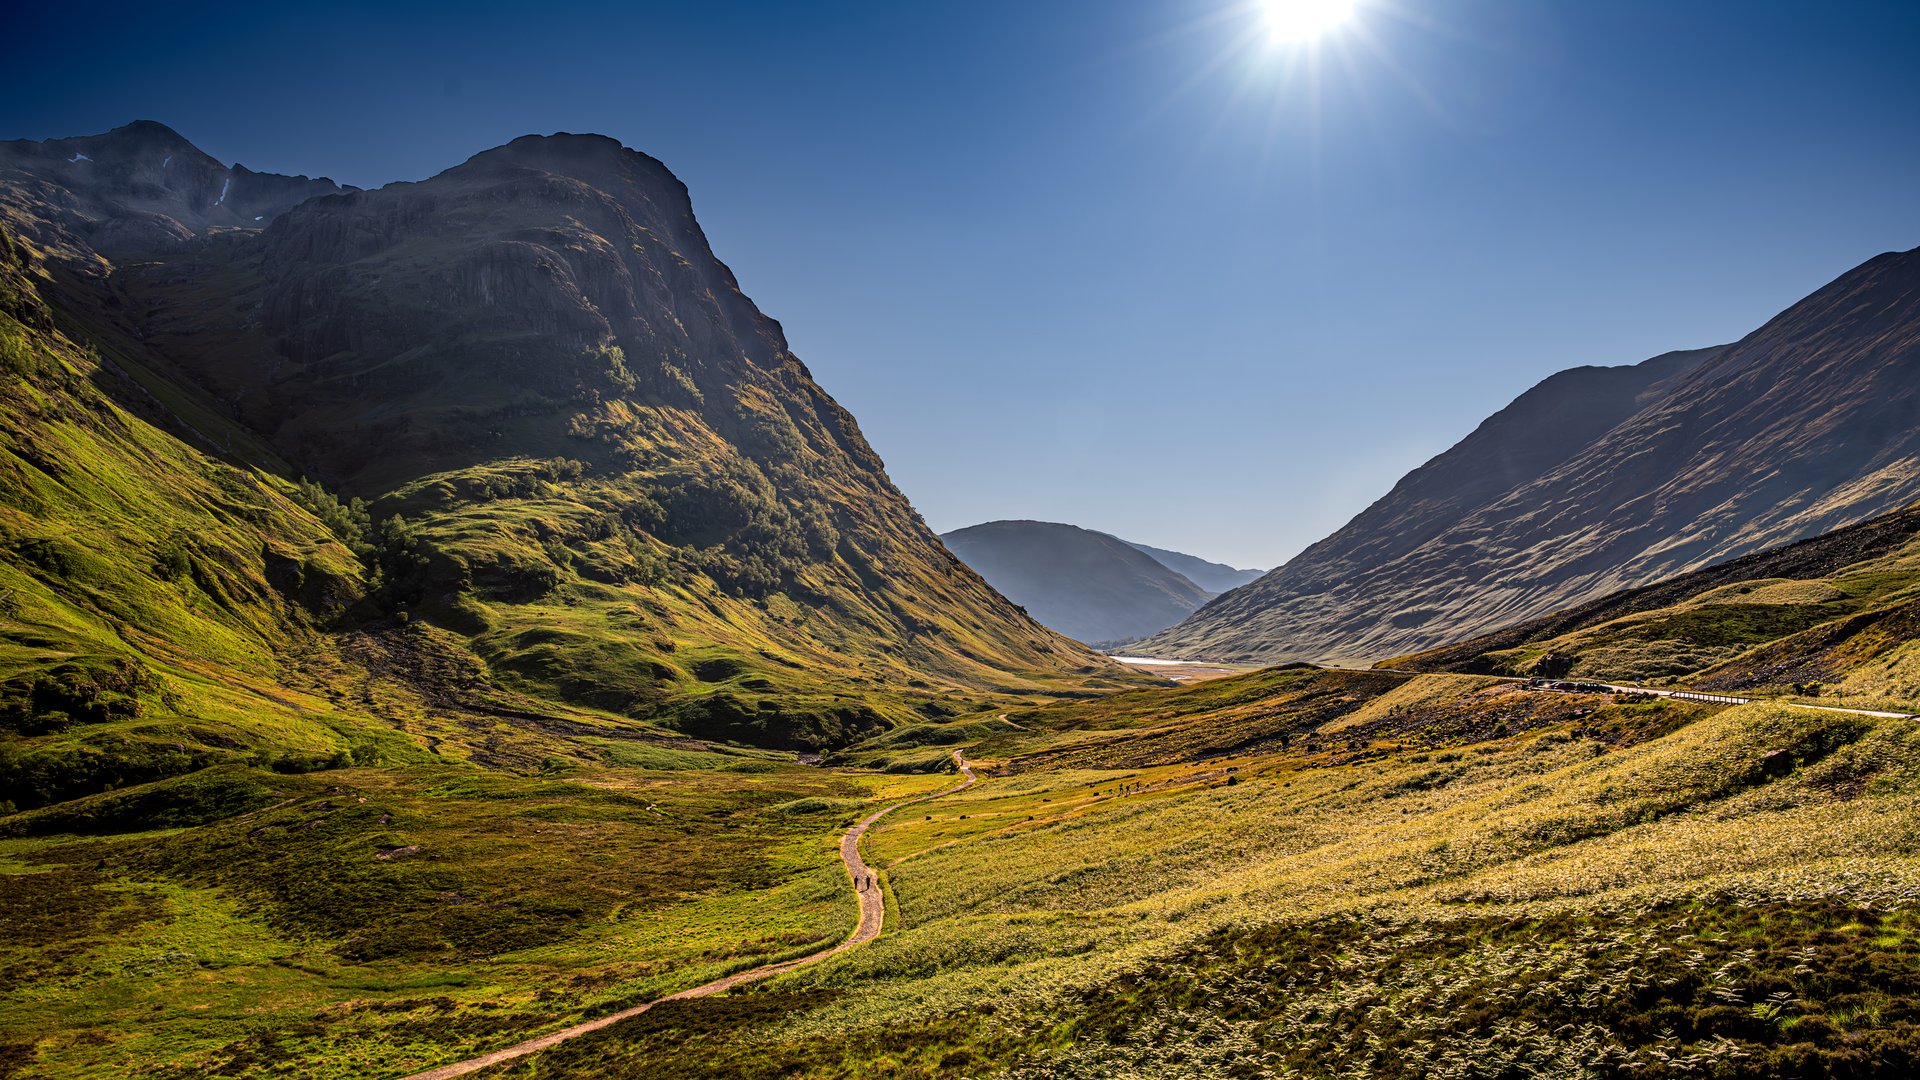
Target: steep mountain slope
(1599, 480)
(1085, 584)
(583, 487)
(1214, 577)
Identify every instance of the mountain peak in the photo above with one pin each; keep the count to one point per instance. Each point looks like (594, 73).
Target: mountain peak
(152, 130)
(593, 159)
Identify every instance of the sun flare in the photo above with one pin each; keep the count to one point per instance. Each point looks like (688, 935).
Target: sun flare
(1296, 21)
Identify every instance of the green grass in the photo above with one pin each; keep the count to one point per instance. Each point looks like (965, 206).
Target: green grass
(1393, 885)
(1414, 913)
(279, 935)
(526, 599)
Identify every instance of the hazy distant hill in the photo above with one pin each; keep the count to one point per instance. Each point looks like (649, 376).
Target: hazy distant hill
(1212, 576)
(1085, 584)
(1603, 479)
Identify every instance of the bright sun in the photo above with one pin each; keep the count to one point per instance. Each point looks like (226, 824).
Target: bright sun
(1293, 21)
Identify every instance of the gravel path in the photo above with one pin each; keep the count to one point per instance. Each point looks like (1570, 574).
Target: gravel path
(873, 913)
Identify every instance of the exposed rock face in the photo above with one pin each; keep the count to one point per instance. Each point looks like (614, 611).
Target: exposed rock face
(1782, 579)
(138, 188)
(1085, 584)
(1604, 479)
(536, 280)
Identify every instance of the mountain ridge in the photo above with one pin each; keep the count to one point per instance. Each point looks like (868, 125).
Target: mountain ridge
(1803, 426)
(143, 187)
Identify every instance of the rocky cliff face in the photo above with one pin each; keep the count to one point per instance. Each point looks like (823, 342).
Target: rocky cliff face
(511, 299)
(1604, 479)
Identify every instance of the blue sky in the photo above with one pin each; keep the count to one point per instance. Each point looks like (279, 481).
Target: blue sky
(1124, 263)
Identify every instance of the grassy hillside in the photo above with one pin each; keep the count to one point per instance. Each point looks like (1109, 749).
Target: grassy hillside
(545, 538)
(291, 773)
(255, 814)
(163, 610)
(150, 596)
(611, 477)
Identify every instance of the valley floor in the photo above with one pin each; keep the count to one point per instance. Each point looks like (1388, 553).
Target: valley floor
(1291, 872)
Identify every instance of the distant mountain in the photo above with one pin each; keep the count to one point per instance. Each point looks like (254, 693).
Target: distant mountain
(1601, 479)
(1085, 584)
(1214, 577)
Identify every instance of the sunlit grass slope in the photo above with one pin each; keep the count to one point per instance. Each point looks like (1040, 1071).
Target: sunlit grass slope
(615, 480)
(293, 784)
(163, 610)
(1294, 871)
(169, 601)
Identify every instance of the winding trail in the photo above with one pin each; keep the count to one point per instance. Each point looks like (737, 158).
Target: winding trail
(873, 914)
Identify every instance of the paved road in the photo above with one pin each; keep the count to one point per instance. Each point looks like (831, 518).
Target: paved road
(873, 914)
(1619, 688)
(1729, 699)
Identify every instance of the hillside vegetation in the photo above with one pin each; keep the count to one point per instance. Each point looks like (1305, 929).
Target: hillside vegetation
(1610, 888)
(1290, 872)
(331, 677)
(256, 509)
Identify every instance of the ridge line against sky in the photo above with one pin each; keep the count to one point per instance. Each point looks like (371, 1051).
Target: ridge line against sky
(1126, 266)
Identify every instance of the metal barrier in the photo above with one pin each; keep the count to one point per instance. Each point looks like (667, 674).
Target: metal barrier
(1558, 686)
(1712, 699)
